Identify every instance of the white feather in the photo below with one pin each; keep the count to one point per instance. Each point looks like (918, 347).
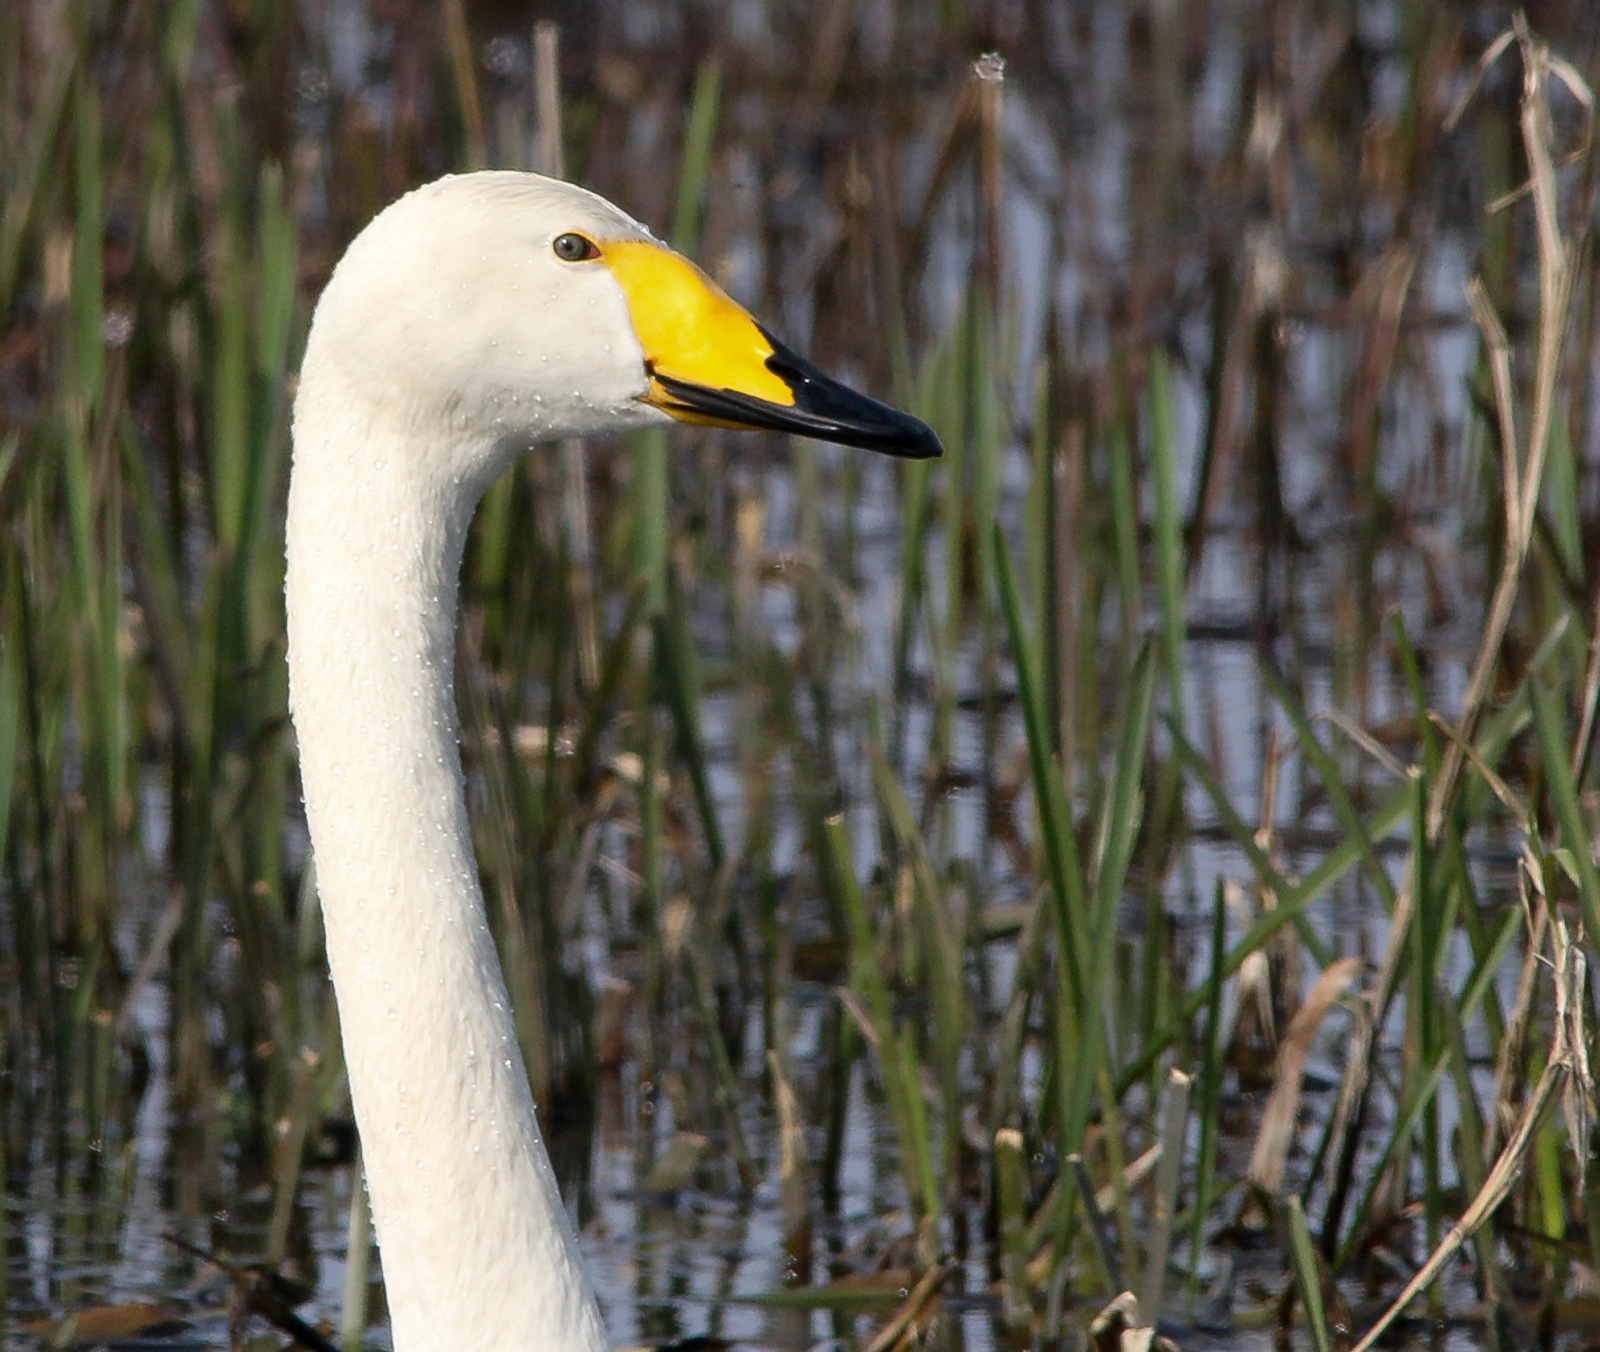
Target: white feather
(449, 338)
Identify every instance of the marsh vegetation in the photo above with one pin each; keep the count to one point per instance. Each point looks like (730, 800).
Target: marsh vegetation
(1150, 849)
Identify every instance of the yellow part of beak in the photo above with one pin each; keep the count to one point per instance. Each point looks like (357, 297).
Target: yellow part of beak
(690, 330)
(709, 362)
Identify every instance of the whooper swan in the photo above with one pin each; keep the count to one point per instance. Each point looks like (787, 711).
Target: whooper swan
(475, 317)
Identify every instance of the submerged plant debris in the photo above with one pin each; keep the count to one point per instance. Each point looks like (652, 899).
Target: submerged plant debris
(1132, 879)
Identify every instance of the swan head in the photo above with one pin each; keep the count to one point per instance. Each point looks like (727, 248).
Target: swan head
(487, 311)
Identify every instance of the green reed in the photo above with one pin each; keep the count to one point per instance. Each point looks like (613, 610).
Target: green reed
(159, 253)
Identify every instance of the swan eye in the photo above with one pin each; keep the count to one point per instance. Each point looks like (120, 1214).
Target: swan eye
(574, 248)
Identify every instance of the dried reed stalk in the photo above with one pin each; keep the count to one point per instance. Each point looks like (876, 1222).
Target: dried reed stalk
(1520, 488)
(1276, 1132)
(1496, 1187)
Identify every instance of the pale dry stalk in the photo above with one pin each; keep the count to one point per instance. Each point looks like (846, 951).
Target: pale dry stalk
(1521, 486)
(1174, 1118)
(1509, 1059)
(1495, 1188)
(1273, 1137)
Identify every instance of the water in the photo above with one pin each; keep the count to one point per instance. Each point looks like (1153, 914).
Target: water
(1124, 197)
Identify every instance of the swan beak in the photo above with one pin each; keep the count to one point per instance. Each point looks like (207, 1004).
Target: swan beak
(709, 362)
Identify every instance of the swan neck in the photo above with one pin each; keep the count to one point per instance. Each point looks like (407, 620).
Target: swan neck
(477, 1251)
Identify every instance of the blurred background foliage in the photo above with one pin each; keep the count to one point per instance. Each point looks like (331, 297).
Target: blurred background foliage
(1220, 706)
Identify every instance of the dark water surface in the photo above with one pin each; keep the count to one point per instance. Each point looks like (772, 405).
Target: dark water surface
(1160, 161)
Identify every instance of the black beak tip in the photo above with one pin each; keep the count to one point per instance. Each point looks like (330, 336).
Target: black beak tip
(919, 441)
(852, 419)
(842, 415)
(823, 409)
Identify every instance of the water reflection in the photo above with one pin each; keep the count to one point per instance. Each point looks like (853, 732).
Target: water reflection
(1166, 180)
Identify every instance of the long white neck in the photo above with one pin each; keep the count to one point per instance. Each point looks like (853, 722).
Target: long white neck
(478, 1254)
